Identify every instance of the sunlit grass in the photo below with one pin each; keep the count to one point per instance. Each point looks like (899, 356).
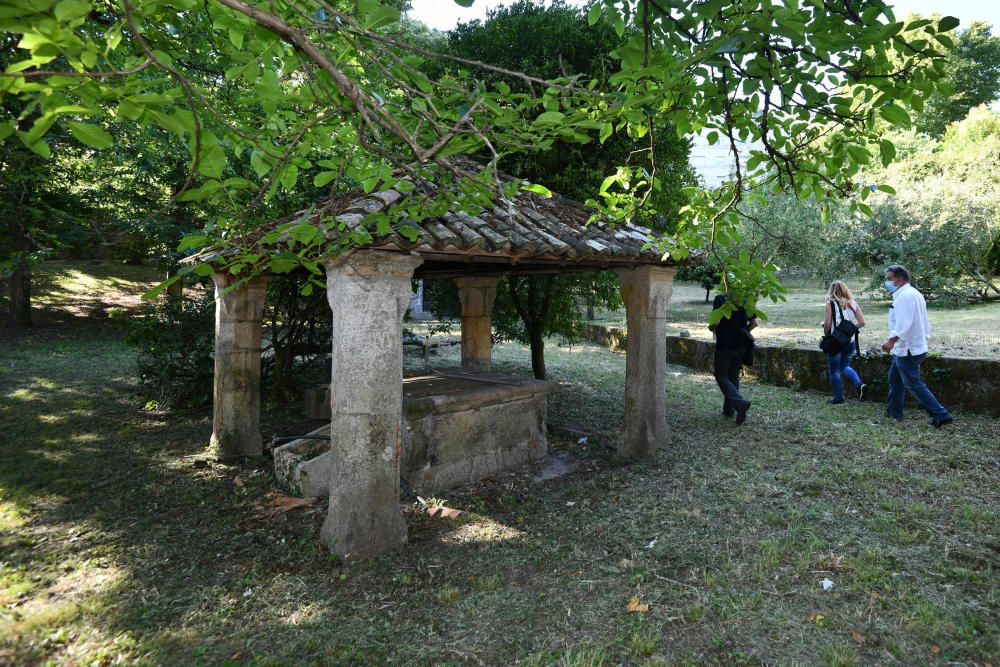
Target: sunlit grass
(968, 331)
(120, 543)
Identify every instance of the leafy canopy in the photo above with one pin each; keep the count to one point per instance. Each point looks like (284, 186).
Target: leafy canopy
(804, 79)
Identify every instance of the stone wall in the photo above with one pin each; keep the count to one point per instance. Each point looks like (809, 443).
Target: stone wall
(970, 384)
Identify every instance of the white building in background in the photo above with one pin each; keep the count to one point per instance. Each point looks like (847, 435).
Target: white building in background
(714, 163)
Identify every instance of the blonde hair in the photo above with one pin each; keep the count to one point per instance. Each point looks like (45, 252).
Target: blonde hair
(840, 293)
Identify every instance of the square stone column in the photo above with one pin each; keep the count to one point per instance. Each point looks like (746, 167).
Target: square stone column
(369, 291)
(646, 291)
(239, 314)
(477, 294)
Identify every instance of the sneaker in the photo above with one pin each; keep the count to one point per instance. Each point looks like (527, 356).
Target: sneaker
(938, 423)
(836, 401)
(862, 391)
(741, 412)
(728, 415)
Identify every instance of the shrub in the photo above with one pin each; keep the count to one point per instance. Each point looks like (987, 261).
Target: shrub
(174, 341)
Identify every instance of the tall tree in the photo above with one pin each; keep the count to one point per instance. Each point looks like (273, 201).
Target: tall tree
(973, 71)
(784, 75)
(552, 41)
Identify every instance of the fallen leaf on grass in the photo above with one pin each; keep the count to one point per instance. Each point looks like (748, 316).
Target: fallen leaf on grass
(238, 482)
(858, 637)
(833, 563)
(282, 504)
(935, 649)
(444, 512)
(635, 607)
(280, 501)
(294, 503)
(817, 618)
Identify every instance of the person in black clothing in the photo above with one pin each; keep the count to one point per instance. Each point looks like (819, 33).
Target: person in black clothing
(733, 342)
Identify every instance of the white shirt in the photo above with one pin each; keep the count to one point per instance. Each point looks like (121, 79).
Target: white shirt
(908, 320)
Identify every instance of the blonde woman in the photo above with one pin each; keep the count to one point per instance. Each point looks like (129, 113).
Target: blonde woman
(840, 306)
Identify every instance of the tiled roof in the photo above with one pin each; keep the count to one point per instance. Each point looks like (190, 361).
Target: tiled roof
(531, 226)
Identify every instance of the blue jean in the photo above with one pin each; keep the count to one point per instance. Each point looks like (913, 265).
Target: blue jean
(840, 364)
(904, 375)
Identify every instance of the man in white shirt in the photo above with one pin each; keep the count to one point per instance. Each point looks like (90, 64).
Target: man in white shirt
(909, 330)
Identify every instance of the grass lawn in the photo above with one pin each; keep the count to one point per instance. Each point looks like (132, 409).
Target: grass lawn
(968, 331)
(119, 543)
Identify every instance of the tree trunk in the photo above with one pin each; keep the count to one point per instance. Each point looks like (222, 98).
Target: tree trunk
(537, 352)
(591, 315)
(20, 293)
(708, 293)
(20, 282)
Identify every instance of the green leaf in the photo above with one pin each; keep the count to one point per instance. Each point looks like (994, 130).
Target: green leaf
(236, 37)
(537, 189)
(887, 188)
(71, 9)
(192, 241)
(129, 110)
(213, 161)
(888, 151)
(860, 155)
(156, 291)
(948, 23)
(92, 135)
(168, 122)
(945, 41)
(290, 176)
(283, 264)
(323, 178)
(375, 15)
(303, 233)
(549, 117)
(896, 115)
(594, 15)
(39, 146)
(464, 3)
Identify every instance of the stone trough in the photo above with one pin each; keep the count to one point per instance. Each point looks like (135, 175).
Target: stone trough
(460, 426)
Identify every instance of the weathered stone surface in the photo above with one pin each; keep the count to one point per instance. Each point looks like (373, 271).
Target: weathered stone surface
(368, 292)
(646, 291)
(460, 427)
(477, 294)
(462, 430)
(303, 466)
(236, 394)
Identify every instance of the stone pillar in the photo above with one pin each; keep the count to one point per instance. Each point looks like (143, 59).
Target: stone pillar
(369, 291)
(477, 294)
(239, 316)
(646, 291)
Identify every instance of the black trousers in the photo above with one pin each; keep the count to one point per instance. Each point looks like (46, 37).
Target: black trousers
(728, 363)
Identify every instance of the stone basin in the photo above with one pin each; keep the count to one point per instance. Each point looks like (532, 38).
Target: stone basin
(461, 426)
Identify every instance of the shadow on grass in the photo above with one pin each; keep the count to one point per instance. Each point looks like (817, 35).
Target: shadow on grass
(725, 536)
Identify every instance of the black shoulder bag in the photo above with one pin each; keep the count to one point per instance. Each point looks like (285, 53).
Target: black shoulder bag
(841, 335)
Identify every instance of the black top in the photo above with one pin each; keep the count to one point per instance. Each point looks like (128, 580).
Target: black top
(727, 331)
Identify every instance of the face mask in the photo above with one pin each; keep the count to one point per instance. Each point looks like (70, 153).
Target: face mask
(891, 286)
